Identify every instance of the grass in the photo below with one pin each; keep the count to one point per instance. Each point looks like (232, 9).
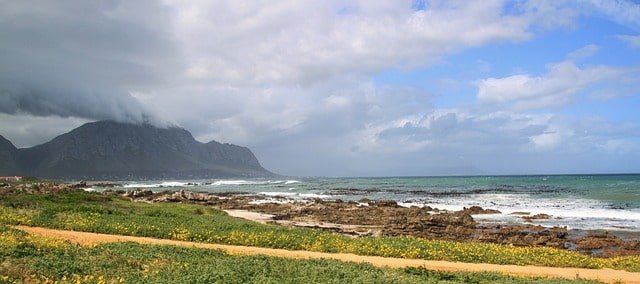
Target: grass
(25, 258)
(94, 212)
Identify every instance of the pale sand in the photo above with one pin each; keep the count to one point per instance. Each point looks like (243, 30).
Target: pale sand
(250, 215)
(349, 230)
(606, 275)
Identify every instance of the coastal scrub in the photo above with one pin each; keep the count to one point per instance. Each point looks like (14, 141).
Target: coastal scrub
(35, 259)
(95, 212)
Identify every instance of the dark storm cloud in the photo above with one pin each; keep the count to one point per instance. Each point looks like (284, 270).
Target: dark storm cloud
(73, 101)
(82, 58)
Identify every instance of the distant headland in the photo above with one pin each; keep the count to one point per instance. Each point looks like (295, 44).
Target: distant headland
(115, 150)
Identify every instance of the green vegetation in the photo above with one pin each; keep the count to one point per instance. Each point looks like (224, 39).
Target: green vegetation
(27, 179)
(94, 212)
(25, 258)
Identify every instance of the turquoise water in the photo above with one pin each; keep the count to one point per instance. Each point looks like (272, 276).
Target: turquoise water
(577, 201)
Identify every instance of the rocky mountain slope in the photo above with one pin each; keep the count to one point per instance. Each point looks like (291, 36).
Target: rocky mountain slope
(113, 150)
(7, 157)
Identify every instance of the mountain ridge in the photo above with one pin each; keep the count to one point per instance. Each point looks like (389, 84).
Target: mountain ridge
(115, 150)
(7, 156)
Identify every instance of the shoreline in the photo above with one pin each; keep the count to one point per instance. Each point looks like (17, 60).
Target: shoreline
(404, 233)
(588, 203)
(378, 218)
(388, 218)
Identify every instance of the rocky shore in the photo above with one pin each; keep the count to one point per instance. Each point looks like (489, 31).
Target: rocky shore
(387, 218)
(372, 218)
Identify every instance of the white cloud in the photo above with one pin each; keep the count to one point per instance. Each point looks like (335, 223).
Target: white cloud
(493, 135)
(619, 146)
(583, 52)
(550, 14)
(299, 42)
(336, 101)
(547, 140)
(622, 11)
(554, 135)
(632, 40)
(455, 128)
(291, 79)
(556, 87)
(215, 56)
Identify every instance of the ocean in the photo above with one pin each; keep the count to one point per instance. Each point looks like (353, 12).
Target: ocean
(588, 202)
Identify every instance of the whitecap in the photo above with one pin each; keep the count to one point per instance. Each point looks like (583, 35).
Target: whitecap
(410, 204)
(234, 182)
(271, 200)
(278, 193)
(152, 185)
(295, 195)
(140, 185)
(313, 195)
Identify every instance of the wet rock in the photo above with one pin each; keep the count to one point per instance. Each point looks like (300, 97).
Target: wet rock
(540, 216)
(82, 184)
(570, 246)
(104, 184)
(115, 192)
(383, 203)
(138, 193)
(476, 210)
(598, 240)
(607, 245)
(522, 235)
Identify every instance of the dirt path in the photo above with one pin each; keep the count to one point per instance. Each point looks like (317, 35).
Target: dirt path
(606, 275)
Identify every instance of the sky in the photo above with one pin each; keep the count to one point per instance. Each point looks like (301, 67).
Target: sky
(340, 88)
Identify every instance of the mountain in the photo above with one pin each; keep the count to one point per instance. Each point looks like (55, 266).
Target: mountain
(114, 150)
(8, 165)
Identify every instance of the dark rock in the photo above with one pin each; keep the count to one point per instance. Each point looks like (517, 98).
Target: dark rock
(104, 184)
(383, 203)
(570, 246)
(476, 210)
(138, 193)
(540, 216)
(392, 220)
(82, 184)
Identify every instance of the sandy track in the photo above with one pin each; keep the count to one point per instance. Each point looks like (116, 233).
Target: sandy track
(606, 275)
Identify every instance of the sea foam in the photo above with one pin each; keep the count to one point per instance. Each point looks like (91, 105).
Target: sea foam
(153, 185)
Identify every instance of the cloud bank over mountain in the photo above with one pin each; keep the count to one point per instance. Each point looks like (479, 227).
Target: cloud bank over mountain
(335, 88)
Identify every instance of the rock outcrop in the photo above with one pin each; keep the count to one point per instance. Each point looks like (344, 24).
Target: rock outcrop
(385, 217)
